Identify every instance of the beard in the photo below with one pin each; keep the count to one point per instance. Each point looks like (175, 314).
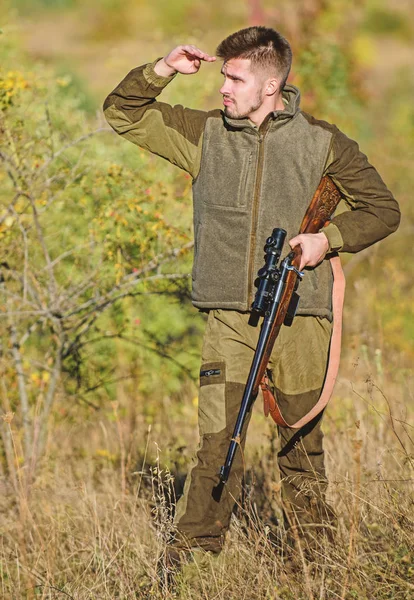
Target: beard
(235, 113)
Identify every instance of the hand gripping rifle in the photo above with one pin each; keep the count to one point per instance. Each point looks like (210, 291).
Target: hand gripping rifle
(276, 300)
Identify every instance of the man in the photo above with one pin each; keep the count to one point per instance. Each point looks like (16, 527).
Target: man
(255, 165)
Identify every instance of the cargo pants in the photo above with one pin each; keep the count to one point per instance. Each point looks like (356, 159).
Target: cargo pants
(297, 367)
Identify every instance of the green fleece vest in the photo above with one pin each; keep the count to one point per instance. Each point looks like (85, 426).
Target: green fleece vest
(249, 182)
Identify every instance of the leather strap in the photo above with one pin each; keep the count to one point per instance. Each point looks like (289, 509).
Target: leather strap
(270, 405)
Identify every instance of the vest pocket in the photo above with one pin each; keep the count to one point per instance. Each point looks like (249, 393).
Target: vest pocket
(225, 176)
(244, 180)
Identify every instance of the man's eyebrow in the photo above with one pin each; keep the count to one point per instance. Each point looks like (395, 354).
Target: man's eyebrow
(227, 74)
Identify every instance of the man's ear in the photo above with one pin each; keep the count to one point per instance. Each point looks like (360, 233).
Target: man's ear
(272, 87)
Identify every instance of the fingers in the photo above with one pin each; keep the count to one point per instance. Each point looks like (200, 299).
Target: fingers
(303, 262)
(294, 241)
(314, 247)
(196, 52)
(187, 59)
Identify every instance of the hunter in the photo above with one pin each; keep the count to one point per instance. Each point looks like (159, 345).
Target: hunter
(255, 165)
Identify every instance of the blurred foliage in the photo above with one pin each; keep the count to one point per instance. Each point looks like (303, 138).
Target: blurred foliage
(328, 75)
(108, 229)
(381, 20)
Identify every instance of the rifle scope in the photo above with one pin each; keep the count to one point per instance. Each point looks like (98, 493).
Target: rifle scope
(268, 275)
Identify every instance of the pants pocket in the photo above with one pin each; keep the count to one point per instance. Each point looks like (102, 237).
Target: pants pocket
(211, 400)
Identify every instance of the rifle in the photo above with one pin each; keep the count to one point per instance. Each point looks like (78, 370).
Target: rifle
(277, 300)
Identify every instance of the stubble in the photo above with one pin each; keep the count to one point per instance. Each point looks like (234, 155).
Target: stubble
(234, 113)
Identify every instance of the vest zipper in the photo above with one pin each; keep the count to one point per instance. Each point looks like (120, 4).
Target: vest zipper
(257, 190)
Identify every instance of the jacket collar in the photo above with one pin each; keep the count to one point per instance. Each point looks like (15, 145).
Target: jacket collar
(291, 99)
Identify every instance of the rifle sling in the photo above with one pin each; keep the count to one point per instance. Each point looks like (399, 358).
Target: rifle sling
(270, 404)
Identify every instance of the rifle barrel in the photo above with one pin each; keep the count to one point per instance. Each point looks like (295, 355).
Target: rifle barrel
(250, 393)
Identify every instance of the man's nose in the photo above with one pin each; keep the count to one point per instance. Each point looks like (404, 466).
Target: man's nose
(224, 89)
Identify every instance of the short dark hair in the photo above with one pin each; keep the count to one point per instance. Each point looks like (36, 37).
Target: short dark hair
(264, 46)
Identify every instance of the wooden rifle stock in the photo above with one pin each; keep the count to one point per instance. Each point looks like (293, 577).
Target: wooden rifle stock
(322, 206)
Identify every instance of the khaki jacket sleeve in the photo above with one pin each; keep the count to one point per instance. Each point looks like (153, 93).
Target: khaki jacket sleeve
(374, 212)
(173, 132)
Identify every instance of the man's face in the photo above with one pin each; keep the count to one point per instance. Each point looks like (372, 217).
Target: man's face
(242, 90)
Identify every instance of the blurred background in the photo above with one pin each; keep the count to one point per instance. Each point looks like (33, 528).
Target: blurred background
(99, 346)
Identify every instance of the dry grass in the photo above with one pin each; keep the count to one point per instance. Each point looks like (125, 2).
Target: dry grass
(94, 522)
